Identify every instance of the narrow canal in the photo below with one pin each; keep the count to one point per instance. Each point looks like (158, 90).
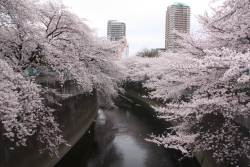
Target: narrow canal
(117, 139)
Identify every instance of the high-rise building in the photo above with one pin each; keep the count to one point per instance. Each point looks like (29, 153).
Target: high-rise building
(116, 30)
(177, 18)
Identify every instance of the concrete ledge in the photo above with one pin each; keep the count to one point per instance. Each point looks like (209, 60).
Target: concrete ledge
(74, 117)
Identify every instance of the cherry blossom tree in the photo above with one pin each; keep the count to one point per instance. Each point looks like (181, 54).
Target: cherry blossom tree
(201, 97)
(70, 44)
(204, 101)
(45, 35)
(225, 25)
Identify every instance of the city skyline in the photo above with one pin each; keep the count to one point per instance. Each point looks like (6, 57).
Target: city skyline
(145, 22)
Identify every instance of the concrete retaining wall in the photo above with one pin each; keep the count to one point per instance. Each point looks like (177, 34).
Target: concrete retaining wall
(74, 117)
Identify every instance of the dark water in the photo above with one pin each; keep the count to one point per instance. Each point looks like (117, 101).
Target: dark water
(117, 139)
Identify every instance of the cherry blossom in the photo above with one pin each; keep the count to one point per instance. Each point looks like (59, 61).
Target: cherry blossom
(204, 101)
(48, 37)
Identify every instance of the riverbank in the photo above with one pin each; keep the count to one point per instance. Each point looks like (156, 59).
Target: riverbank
(117, 138)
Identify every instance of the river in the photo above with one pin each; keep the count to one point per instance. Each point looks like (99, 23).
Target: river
(117, 139)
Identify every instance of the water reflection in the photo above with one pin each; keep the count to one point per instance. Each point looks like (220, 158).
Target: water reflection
(131, 152)
(101, 117)
(117, 139)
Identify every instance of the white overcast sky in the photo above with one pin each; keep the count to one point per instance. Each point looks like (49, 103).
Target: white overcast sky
(145, 19)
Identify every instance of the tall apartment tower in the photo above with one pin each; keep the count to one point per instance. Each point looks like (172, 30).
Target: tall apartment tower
(116, 30)
(177, 18)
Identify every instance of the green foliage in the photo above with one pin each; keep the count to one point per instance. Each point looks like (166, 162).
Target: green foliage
(147, 53)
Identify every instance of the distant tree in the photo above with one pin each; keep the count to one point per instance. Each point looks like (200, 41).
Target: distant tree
(147, 53)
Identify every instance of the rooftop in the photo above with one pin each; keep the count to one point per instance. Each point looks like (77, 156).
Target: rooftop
(177, 3)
